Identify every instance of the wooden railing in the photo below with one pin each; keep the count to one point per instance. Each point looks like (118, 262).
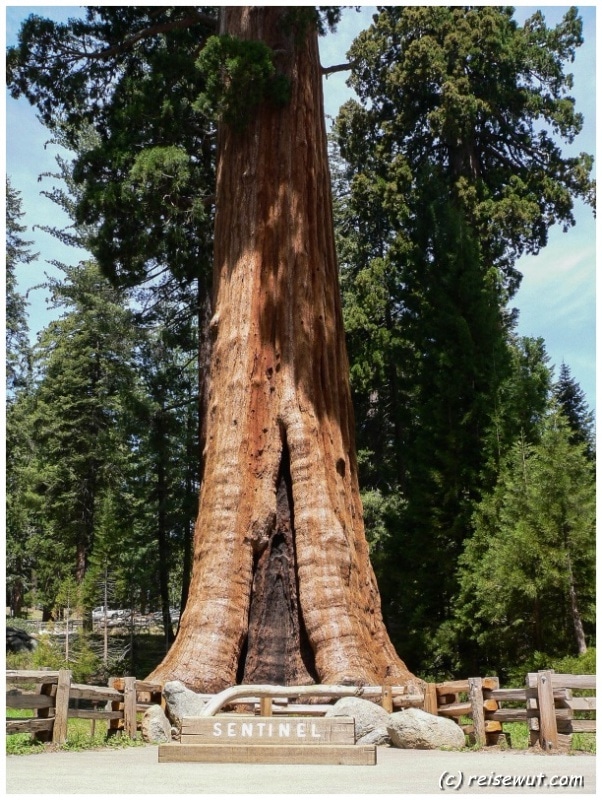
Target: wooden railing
(55, 697)
(546, 704)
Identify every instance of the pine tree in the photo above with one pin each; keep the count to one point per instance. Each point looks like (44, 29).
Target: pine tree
(18, 386)
(571, 398)
(84, 363)
(528, 575)
(17, 253)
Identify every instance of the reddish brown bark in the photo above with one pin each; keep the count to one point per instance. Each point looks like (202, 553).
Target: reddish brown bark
(282, 587)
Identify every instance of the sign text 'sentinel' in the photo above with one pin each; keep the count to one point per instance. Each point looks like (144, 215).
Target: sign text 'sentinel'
(266, 730)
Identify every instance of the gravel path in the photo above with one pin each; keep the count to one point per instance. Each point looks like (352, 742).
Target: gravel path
(136, 771)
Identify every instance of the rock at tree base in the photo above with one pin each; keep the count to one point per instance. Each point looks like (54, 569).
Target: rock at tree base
(155, 726)
(370, 720)
(414, 729)
(181, 702)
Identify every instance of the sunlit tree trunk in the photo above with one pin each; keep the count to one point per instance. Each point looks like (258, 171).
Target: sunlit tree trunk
(282, 588)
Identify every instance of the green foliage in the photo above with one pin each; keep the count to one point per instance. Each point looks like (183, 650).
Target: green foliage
(533, 548)
(571, 399)
(17, 254)
(128, 75)
(572, 665)
(454, 168)
(475, 96)
(81, 451)
(239, 76)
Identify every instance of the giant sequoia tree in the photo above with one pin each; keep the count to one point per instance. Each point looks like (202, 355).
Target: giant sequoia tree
(282, 587)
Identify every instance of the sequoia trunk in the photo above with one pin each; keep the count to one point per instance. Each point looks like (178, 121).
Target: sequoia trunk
(282, 588)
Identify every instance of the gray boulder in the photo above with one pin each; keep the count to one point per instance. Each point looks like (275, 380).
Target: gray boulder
(181, 702)
(155, 726)
(370, 719)
(414, 729)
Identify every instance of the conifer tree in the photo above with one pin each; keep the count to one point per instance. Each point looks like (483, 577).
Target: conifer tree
(528, 575)
(84, 360)
(571, 398)
(18, 388)
(455, 170)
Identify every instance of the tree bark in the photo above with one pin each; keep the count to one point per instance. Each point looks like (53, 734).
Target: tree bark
(282, 588)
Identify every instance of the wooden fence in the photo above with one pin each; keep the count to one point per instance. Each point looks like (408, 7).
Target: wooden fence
(545, 704)
(55, 698)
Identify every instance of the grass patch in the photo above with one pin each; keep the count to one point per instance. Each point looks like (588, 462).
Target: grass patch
(79, 737)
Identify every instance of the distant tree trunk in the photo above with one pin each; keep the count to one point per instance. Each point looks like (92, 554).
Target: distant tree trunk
(162, 532)
(575, 615)
(282, 588)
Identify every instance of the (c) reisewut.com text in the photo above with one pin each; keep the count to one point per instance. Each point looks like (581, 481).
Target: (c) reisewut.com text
(457, 780)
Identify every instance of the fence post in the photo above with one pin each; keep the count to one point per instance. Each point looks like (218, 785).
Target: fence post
(61, 710)
(48, 689)
(387, 699)
(475, 695)
(130, 722)
(431, 703)
(548, 730)
(265, 706)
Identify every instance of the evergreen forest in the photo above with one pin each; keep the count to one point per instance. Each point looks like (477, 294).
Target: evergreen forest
(476, 455)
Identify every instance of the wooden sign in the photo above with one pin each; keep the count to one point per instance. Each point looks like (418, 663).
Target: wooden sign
(351, 755)
(237, 729)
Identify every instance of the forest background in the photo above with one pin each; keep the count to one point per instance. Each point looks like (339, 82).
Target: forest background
(476, 565)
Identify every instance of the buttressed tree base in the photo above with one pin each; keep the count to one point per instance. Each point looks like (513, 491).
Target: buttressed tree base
(282, 589)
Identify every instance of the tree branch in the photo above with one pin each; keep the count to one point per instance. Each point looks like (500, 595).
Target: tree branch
(338, 68)
(153, 30)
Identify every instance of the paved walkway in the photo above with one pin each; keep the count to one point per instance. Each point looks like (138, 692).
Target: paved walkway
(136, 771)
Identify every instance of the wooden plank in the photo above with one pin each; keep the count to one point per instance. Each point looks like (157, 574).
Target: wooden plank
(580, 703)
(548, 732)
(45, 676)
(31, 725)
(455, 710)
(61, 711)
(511, 714)
(352, 755)
(82, 691)
(517, 695)
(565, 681)
(149, 686)
(583, 725)
(454, 687)
(475, 694)
(17, 699)
(89, 713)
(233, 729)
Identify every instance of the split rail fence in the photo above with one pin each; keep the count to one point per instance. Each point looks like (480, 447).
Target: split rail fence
(546, 704)
(56, 698)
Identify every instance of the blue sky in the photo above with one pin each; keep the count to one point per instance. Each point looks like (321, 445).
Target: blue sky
(556, 300)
